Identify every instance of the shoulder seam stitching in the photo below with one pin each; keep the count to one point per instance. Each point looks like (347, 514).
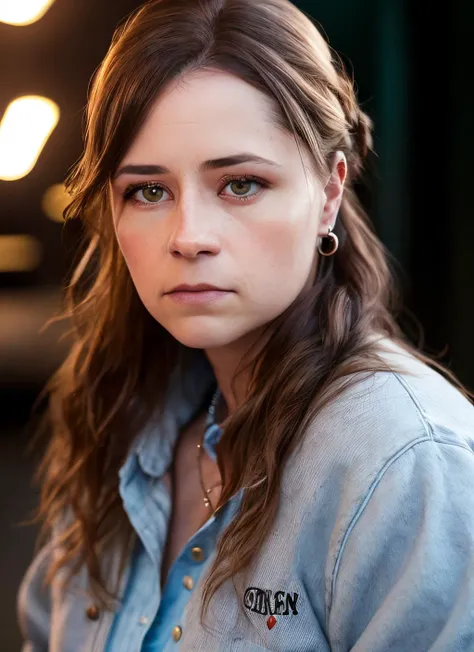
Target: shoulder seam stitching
(423, 417)
(362, 507)
(371, 490)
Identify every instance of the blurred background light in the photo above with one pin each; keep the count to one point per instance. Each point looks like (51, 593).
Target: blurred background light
(23, 12)
(54, 201)
(19, 253)
(25, 128)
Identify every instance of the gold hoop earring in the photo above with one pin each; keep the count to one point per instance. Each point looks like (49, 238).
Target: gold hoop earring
(329, 244)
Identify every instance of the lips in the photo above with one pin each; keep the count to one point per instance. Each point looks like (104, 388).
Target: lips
(199, 297)
(200, 287)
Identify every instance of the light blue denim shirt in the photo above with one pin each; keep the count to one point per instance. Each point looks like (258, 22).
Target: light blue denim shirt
(372, 549)
(187, 568)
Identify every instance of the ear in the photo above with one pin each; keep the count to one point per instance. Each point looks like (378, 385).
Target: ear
(333, 193)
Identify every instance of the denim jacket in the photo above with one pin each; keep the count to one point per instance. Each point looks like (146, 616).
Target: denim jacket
(372, 548)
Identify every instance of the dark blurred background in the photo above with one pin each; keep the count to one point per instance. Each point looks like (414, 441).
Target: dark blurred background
(413, 68)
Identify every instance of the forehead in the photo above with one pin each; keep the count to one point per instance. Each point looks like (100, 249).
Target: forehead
(209, 114)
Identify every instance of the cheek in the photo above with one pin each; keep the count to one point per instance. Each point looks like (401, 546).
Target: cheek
(283, 253)
(131, 245)
(139, 251)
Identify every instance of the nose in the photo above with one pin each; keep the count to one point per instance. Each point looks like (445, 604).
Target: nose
(192, 233)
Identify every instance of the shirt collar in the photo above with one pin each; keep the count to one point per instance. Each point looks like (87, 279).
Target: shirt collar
(154, 446)
(211, 439)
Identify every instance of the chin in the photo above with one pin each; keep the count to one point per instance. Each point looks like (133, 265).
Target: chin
(203, 334)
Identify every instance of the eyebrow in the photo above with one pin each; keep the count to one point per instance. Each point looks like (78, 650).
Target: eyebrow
(213, 164)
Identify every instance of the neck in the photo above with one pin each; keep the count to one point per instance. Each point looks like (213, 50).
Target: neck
(225, 361)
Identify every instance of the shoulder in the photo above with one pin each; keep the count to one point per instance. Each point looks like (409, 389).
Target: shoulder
(406, 428)
(378, 418)
(382, 414)
(403, 529)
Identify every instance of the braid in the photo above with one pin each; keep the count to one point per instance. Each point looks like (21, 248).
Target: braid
(359, 124)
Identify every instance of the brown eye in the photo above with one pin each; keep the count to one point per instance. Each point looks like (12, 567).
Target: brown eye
(240, 187)
(145, 195)
(152, 194)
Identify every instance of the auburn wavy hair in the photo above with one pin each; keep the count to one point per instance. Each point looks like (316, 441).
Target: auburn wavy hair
(119, 364)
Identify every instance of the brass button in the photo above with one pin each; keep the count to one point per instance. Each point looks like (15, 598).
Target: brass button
(188, 582)
(197, 553)
(92, 612)
(177, 633)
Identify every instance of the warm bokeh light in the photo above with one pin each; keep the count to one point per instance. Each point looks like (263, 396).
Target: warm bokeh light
(54, 201)
(24, 130)
(23, 12)
(19, 253)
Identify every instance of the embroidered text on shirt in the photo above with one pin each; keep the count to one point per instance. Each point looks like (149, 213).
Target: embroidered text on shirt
(264, 602)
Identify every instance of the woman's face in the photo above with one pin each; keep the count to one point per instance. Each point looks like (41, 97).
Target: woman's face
(226, 203)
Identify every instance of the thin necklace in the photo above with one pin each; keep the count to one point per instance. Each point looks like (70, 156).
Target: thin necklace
(209, 422)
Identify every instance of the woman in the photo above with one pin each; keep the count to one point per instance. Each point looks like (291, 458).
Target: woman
(245, 452)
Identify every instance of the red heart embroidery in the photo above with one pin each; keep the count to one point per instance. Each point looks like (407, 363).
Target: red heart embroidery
(271, 622)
